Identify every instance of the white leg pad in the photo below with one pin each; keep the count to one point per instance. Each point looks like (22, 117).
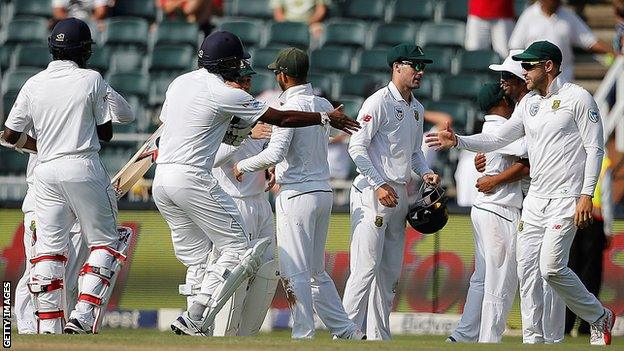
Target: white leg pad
(46, 285)
(260, 294)
(193, 282)
(228, 319)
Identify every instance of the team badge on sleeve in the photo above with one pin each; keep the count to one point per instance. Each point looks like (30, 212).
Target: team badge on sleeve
(534, 108)
(593, 115)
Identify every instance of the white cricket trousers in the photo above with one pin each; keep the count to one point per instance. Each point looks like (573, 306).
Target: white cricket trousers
(258, 220)
(199, 214)
(544, 242)
(376, 257)
(302, 214)
(494, 282)
(483, 33)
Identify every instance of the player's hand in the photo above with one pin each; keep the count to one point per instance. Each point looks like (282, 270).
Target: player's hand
(583, 214)
(237, 174)
(487, 184)
(339, 120)
(271, 179)
(442, 140)
(431, 178)
(387, 196)
(261, 131)
(479, 162)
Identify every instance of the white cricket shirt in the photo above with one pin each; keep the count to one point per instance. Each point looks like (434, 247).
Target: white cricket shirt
(252, 183)
(564, 139)
(510, 194)
(388, 145)
(196, 113)
(564, 29)
(300, 154)
(64, 104)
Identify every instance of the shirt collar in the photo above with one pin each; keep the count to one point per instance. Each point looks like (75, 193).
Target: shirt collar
(555, 86)
(302, 89)
(494, 118)
(61, 64)
(394, 91)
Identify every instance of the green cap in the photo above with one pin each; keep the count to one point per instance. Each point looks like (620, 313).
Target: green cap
(406, 52)
(539, 51)
(489, 96)
(292, 61)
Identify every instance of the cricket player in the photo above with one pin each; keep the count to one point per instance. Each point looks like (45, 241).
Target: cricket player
(564, 136)
(66, 105)
(303, 203)
(386, 150)
(120, 112)
(196, 114)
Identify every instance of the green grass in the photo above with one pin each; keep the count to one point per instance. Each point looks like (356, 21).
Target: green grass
(115, 339)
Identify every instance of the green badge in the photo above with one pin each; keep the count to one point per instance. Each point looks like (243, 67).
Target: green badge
(520, 226)
(378, 221)
(556, 104)
(416, 115)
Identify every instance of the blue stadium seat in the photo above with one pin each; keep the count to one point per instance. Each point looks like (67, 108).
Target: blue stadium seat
(158, 88)
(374, 60)
(177, 32)
(31, 30)
(248, 30)
(127, 60)
(454, 10)
(135, 8)
(252, 8)
(442, 59)
(426, 89)
(360, 85)
(261, 58)
(331, 60)
(32, 56)
(28, 8)
(391, 34)
(476, 61)
(414, 10)
(126, 32)
(130, 84)
(462, 86)
(341, 33)
(100, 59)
(289, 33)
(369, 10)
(172, 59)
(445, 33)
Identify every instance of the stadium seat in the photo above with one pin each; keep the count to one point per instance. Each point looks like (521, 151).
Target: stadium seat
(426, 89)
(135, 8)
(361, 85)
(391, 34)
(462, 86)
(352, 105)
(455, 10)
(172, 58)
(261, 58)
(15, 79)
(289, 33)
(476, 61)
(372, 61)
(127, 60)
(413, 10)
(261, 82)
(100, 59)
(253, 8)
(248, 30)
(172, 32)
(8, 100)
(5, 57)
(323, 82)
(127, 32)
(331, 60)
(15, 163)
(369, 10)
(341, 33)
(442, 59)
(32, 55)
(130, 84)
(158, 88)
(460, 111)
(445, 33)
(38, 8)
(31, 30)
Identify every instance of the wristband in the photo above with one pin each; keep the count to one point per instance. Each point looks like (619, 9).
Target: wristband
(325, 118)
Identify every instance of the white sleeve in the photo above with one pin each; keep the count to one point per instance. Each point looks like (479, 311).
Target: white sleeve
(118, 109)
(225, 153)
(511, 130)
(99, 101)
(581, 35)
(60, 3)
(588, 121)
(370, 117)
(19, 118)
(606, 201)
(98, 3)
(517, 148)
(274, 153)
(237, 102)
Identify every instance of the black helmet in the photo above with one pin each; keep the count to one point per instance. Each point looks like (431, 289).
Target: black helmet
(221, 53)
(429, 214)
(71, 40)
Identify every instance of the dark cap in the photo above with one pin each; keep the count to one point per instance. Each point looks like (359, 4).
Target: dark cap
(221, 45)
(489, 96)
(292, 61)
(246, 71)
(406, 52)
(70, 32)
(539, 51)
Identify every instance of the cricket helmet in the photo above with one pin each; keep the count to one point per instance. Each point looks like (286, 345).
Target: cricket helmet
(429, 214)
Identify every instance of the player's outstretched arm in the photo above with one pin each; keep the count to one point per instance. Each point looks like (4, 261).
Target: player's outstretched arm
(293, 119)
(17, 140)
(442, 140)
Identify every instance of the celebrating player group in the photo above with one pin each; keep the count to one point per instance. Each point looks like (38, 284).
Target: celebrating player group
(220, 150)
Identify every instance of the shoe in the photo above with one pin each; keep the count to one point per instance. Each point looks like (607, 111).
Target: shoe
(601, 329)
(356, 335)
(184, 325)
(75, 327)
(450, 339)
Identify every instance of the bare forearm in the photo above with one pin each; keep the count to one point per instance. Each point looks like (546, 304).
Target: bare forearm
(318, 15)
(290, 119)
(601, 48)
(512, 174)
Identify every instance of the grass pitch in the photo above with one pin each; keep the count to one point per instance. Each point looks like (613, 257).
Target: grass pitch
(152, 340)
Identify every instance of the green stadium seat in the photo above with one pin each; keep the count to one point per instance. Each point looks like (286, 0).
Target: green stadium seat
(261, 82)
(324, 82)
(442, 59)
(253, 8)
(520, 6)
(15, 163)
(352, 105)
(31, 30)
(261, 58)
(414, 10)
(445, 33)
(135, 8)
(15, 79)
(370, 10)
(130, 84)
(455, 10)
(373, 60)
(341, 33)
(460, 111)
(172, 58)
(126, 32)
(391, 34)
(331, 60)
(476, 61)
(5, 57)
(362, 85)
(127, 60)
(289, 33)
(157, 90)
(32, 55)
(38, 8)
(462, 86)
(8, 100)
(248, 30)
(100, 59)
(426, 89)
(172, 32)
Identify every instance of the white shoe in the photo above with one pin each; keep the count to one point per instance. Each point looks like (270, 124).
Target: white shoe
(450, 339)
(600, 333)
(75, 327)
(184, 325)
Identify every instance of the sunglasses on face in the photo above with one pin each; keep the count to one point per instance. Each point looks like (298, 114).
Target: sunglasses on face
(507, 75)
(277, 72)
(527, 66)
(417, 66)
